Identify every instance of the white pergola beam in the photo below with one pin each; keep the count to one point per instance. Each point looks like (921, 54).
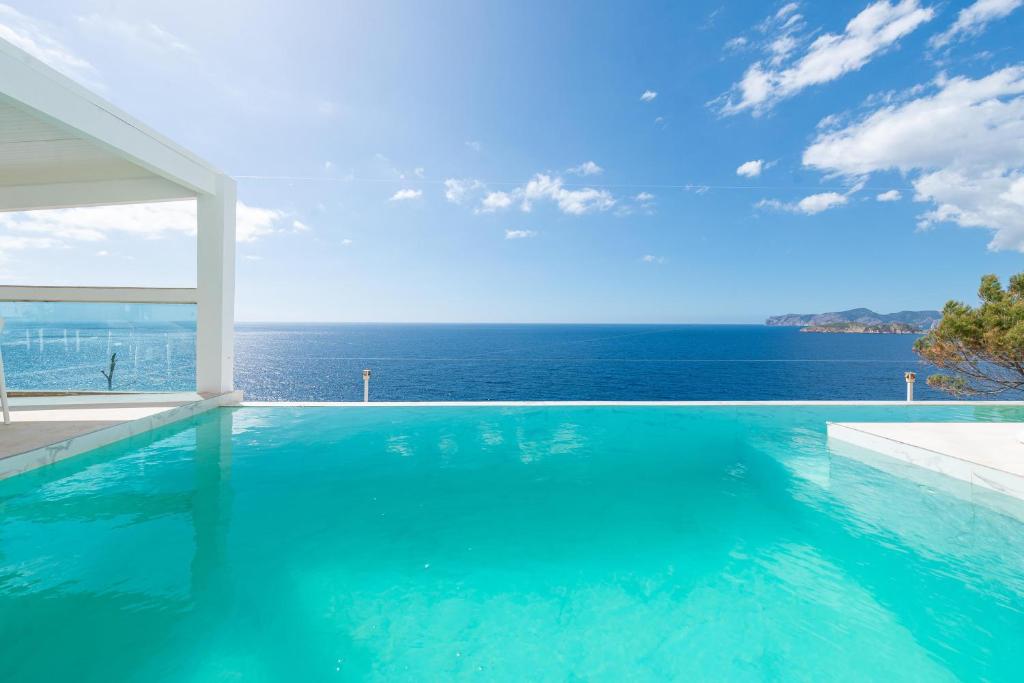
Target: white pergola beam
(100, 295)
(96, 193)
(32, 85)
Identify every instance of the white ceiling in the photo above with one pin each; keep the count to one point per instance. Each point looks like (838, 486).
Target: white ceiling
(34, 151)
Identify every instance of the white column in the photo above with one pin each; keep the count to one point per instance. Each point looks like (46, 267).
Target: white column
(215, 318)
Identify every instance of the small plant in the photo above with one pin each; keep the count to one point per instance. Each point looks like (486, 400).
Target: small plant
(109, 374)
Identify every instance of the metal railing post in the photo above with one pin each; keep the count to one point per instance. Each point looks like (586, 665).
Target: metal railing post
(910, 377)
(366, 386)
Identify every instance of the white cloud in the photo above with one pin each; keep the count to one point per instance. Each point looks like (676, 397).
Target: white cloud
(830, 56)
(145, 34)
(541, 187)
(809, 205)
(651, 258)
(962, 145)
(299, 226)
(496, 200)
(648, 95)
(823, 201)
(575, 202)
(587, 168)
(750, 169)
(735, 44)
(455, 189)
(546, 187)
(150, 221)
(474, 145)
(252, 222)
(889, 196)
(346, 242)
(406, 194)
(642, 202)
(29, 35)
(786, 10)
(519, 234)
(21, 243)
(973, 19)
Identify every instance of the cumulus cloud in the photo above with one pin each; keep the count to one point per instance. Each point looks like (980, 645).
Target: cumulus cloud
(823, 201)
(587, 168)
(961, 143)
(644, 197)
(889, 196)
(750, 169)
(519, 234)
(648, 96)
(494, 201)
(651, 258)
(575, 202)
(456, 189)
(151, 221)
(973, 19)
(809, 205)
(547, 187)
(405, 195)
(474, 145)
(32, 37)
(787, 69)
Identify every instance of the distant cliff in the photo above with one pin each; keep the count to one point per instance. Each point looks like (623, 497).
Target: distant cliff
(923, 320)
(861, 328)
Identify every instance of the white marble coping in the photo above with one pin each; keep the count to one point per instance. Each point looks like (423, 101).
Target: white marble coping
(102, 400)
(78, 429)
(986, 454)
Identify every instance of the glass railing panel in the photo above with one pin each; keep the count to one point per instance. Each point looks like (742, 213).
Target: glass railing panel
(69, 346)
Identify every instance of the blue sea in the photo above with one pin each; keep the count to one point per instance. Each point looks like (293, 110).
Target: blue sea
(444, 362)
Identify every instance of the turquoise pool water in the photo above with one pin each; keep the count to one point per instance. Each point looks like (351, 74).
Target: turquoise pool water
(505, 544)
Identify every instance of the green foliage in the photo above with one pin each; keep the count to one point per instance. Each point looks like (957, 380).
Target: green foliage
(982, 347)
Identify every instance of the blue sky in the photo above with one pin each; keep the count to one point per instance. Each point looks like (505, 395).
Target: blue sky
(557, 162)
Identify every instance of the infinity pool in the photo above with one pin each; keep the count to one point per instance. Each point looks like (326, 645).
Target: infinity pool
(505, 544)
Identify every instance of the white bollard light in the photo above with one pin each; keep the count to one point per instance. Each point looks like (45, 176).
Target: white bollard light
(910, 377)
(366, 386)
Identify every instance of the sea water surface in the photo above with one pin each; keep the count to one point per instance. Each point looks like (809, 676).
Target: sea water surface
(506, 544)
(324, 362)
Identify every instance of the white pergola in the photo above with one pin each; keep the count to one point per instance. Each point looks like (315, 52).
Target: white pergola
(62, 146)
